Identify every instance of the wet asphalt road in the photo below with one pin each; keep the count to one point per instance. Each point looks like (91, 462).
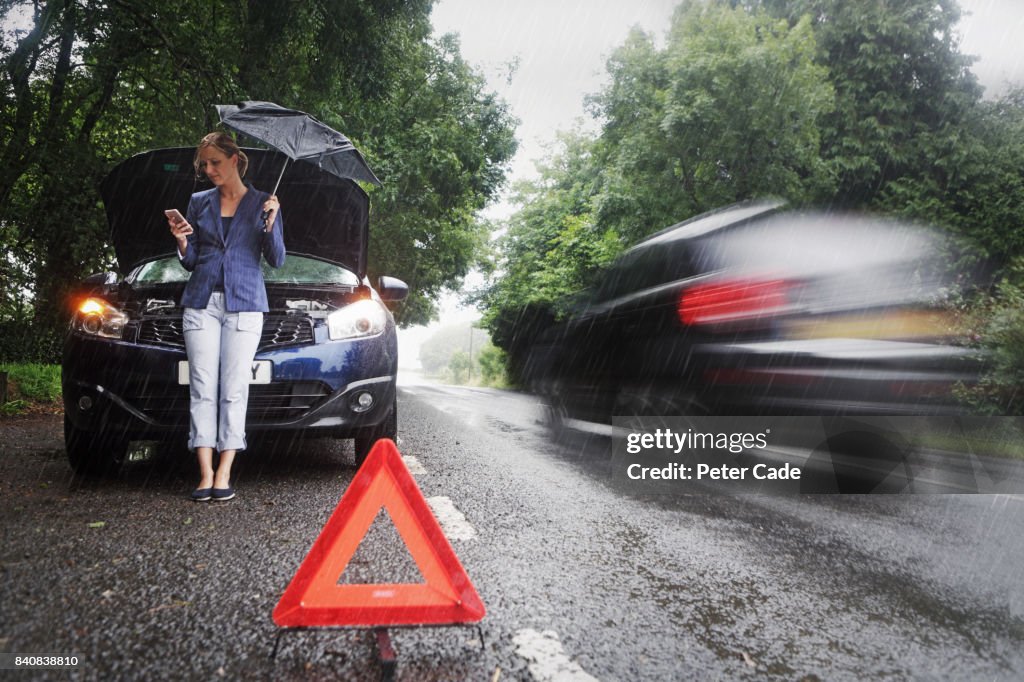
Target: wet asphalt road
(580, 578)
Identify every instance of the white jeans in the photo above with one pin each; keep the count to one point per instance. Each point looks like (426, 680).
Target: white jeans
(220, 347)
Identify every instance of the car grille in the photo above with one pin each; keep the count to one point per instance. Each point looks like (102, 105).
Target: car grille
(163, 331)
(285, 400)
(278, 331)
(279, 401)
(292, 330)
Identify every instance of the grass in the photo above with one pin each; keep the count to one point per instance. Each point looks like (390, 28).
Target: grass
(29, 383)
(1001, 437)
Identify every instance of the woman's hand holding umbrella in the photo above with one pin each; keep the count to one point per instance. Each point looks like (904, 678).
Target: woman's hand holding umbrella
(270, 207)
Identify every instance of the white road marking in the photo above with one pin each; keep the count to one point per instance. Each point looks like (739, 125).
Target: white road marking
(547, 660)
(413, 465)
(453, 523)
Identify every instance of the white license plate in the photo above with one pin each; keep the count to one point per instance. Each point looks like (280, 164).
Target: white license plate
(262, 371)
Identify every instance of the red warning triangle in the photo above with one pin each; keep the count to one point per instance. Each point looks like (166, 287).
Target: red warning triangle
(314, 596)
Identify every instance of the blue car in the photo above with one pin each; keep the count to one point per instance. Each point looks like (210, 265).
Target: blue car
(328, 357)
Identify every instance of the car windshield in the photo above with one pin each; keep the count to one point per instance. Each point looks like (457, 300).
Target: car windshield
(296, 270)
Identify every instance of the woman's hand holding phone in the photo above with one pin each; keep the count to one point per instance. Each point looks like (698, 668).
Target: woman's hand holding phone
(179, 226)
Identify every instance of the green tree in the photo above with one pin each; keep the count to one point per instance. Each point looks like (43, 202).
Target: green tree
(89, 83)
(492, 365)
(459, 367)
(910, 134)
(978, 192)
(552, 248)
(729, 110)
(903, 93)
(443, 146)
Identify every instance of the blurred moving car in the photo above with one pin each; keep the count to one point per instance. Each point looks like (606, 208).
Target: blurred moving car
(327, 359)
(756, 310)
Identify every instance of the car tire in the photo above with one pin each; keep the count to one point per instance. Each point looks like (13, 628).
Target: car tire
(365, 441)
(554, 408)
(92, 454)
(555, 413)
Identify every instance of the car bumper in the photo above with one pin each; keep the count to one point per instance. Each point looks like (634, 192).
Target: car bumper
(836, 376)
(132, 389)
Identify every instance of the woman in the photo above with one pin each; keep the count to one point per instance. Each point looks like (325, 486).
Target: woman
(220, 242)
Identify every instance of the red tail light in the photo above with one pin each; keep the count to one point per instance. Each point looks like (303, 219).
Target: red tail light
(733, 300)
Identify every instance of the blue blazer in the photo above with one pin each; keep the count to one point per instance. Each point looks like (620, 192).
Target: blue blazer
(237, 253)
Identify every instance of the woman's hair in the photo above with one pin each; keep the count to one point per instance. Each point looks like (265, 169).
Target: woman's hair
(224, 143)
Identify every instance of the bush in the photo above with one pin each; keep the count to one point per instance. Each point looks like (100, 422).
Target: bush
(459, 367)
(32, 382)
(492, 366)
(24, 342)
(1001, 388)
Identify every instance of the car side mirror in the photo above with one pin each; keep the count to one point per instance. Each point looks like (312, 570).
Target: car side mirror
(392, 289)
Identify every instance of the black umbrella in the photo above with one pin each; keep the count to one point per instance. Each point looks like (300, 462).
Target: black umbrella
(298, 136)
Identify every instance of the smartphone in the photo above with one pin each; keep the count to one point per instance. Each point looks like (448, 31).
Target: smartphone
(176, 217)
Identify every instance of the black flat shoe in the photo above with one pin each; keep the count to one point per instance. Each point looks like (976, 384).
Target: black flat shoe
(202, 494)
(222, 494)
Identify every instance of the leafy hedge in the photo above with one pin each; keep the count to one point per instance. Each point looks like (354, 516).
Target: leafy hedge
(20, 342)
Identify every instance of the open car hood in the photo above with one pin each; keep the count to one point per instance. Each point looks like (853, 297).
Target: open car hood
(325, 216)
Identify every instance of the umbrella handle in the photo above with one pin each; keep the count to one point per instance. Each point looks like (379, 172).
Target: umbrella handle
(266, 214)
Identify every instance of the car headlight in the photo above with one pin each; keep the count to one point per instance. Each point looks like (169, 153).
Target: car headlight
(98, 318)
(362, 318)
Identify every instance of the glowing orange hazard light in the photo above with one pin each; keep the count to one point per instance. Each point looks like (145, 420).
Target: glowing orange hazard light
(314, 596)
